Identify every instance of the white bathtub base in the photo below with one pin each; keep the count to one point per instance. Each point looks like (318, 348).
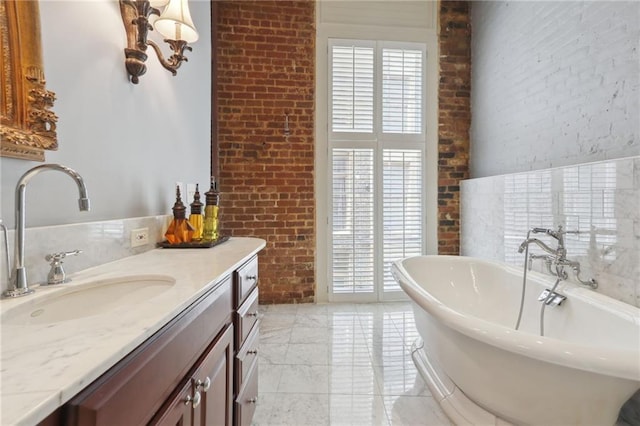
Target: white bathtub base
(457, 406)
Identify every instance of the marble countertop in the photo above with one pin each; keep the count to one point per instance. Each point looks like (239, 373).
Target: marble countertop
(45, 365)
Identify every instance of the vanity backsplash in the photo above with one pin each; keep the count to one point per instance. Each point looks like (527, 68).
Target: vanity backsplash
(100, 242)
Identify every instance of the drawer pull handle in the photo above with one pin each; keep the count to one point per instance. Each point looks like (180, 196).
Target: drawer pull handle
(204, 386)
(252, 277)
(252, 314)
(252, 400)
(253, 352)
(194, 401)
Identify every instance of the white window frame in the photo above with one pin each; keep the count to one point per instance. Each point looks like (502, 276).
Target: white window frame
(378, 141)
(325, 32)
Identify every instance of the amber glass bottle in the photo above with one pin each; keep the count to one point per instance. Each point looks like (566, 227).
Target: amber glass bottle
(180, 230)
(196, 219)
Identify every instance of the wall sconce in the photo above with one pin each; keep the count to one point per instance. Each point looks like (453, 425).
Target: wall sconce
(174, 23)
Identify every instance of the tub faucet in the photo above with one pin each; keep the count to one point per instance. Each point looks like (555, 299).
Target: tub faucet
(18, 285)
(557, 257)
(560, 253)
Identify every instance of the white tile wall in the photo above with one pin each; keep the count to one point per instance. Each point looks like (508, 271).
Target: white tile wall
(601, 200)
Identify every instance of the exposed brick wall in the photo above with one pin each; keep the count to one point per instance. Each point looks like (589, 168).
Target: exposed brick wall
(454, 119)
(266, 66)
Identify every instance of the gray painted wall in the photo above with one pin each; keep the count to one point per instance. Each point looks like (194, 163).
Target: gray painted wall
(553, 84)
(130, 143)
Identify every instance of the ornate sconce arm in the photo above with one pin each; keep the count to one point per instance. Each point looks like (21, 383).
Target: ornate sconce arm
(135, 16)
(173, 63)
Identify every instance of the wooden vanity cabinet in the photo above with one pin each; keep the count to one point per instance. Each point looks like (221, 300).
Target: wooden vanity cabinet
(247, 325)
(159, 382)
(205, 398)
(201, 368)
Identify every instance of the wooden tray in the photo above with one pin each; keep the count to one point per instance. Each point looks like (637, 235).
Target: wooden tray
(200, 244)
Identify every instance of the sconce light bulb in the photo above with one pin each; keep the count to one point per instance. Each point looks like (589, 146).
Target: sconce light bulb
(175, 22)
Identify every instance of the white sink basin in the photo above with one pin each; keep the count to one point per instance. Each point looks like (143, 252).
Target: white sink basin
(93, 298)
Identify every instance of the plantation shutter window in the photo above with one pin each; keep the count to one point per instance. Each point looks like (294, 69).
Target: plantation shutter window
(376, 154)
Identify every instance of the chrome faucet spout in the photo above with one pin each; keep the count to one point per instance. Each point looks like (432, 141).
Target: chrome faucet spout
(18, 283)
(539, 243)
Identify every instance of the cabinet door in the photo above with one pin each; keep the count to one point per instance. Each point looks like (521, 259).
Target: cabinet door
(213, 378)
(178, 411)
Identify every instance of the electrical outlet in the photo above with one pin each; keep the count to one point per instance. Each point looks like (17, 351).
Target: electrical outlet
(139, 237)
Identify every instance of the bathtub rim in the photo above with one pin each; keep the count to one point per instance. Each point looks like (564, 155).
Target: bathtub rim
(620, 363)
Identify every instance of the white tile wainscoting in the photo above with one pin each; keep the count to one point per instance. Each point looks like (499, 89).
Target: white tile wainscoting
(601, 200)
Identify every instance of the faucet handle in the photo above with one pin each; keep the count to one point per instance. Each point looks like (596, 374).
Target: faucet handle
(540, 230)
(57, 257)
(548, 231)
(56, 274)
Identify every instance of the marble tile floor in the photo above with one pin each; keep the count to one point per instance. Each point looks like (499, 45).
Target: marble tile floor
(341, 364)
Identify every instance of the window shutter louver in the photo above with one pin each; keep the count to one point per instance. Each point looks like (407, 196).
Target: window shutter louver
(352, 89)
(352, 213)
(402, 209)
(401, 91)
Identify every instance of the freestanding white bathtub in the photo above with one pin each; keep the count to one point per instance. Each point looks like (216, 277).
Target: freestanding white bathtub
(483, 371)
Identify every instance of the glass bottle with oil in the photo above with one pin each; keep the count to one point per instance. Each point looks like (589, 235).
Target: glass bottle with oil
(196, 218)
(211, 210)
(179, 230)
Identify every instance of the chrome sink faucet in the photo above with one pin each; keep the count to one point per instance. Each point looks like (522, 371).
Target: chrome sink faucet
(18, 285)
(56, 274)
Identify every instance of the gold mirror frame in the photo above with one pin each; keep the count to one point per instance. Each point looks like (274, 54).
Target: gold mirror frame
(27, 125)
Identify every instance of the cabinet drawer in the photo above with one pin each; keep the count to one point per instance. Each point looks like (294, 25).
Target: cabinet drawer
(247, 355)
(245, 279)
(132, 391)
(245, 403)
(246, 317)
